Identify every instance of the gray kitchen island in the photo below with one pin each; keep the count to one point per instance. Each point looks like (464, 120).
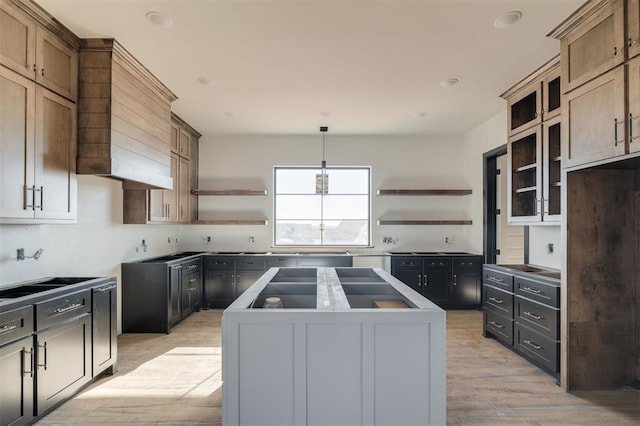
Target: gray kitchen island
(338, 346)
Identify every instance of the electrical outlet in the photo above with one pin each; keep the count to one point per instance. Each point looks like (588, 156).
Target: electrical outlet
(20, 255)
(251, 239)
(550, 248)
(169, 240)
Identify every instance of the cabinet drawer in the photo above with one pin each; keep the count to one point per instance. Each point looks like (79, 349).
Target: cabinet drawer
(538, 291)
(541, 318)
(432, 263)
(191, 266)
(60, 309)
(537, 348)
(282, 262)
(16, 324)
(219, 262)
(398, 263)
(499, 279)
(250, 262)
(467, 262)
(498, 301)
(499, 326)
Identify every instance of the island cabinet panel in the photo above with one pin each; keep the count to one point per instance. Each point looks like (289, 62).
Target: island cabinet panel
(595, 46)
(124, 117)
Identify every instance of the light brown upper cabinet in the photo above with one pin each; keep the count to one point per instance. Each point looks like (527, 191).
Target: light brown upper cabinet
(38, 133)
(633, 27)
(28, 48)
(533, 154)
(184, 191)
(592, 42)
(633, 117)
(594, 120)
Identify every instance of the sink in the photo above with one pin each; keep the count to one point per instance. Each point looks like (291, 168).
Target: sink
(60, 281)
(27, 290)
(296, 275)
(358, 275)
(292, 296)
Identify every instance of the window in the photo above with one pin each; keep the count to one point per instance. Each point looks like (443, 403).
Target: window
(312, 208)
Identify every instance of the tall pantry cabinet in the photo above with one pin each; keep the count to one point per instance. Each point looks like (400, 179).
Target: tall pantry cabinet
(38, 94)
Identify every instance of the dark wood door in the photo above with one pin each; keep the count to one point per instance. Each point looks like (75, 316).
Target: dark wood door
(63, 361)
(18, 32)
(437, 285)
(466, 287)
(104, 328)
(190, 293)
(219, 288)
(175, 295)
(246, 278)
(16, 391)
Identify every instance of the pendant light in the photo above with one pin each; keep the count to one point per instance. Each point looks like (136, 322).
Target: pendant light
(324, 130)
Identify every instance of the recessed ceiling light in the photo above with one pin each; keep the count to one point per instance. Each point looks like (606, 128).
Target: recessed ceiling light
(231, 114)
(449, 82)
(159, 19)
(507, 19)
(206, 81)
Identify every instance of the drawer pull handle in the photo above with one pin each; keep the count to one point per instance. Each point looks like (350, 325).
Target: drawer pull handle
(192, 267)
(68, 308)
(534, 345)
(532, 315)
(192, 280)
(30, 370)
(419, 281)
(532, 290)
(7, 328)
(44, 352)
(498, 301)
(103, 289)
(499, 280)
(496, 325)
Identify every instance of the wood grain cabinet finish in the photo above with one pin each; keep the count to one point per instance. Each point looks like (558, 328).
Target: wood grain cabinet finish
(633, 115)
(33, 51)
(633, 28)
(525, 108)
(594, 120)
(124, 118)
(592, 42)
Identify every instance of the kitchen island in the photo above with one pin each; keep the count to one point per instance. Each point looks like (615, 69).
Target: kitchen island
(344, 346)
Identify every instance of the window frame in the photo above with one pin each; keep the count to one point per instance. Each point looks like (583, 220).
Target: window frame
(369, 209)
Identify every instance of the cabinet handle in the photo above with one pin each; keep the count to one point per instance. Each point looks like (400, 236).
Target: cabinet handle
(496, 325)
(30, 370)
(192, 267)
(532, 290)
(615, 50)
(425, 280)
(68, 308)
(534, 345)
(26, 197)
(44, 352)
(532, 315)
(455, 280)
(498, 280)
(7, 328)
(41, 191)
(107, 288)
(615, 131)
(192, 280)
(498, 301)
(631, 118)
(632, 42)
(419, 280)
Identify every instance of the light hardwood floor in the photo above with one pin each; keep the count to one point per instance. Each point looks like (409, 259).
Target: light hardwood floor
(176, 379)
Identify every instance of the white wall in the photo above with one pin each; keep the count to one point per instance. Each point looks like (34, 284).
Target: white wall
(539, 239)
(396, 162)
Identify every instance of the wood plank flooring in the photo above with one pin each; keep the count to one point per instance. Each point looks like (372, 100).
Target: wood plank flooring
(176, 379)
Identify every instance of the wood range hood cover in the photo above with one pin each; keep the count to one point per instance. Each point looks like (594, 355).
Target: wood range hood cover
(124, 116)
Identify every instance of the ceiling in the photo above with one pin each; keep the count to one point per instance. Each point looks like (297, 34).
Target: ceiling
(361, 67)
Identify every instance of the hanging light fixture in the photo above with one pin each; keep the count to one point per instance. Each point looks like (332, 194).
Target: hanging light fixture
(324, 130)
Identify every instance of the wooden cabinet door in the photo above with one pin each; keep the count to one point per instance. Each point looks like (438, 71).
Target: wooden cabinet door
(57, 65)
(594, 120)
(63, 360)
(175, 137)
(525, 108)
(594, 47)
(16, 392)
(17, 118)
(552, 170)
(55, 157)
(184, 144)
(524, 180)
(219, 287)
(633, 27)
(437, 285)
(633, 91)
(184, 191)
(157, 207)
(17, 40)
(551, 95)
(104, 336)
(171, 195)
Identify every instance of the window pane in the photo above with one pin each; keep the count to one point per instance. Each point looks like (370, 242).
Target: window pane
(297, 232)
(346, 207)
(296, 181)
(298, 207)
(345, 181)
(346, 232)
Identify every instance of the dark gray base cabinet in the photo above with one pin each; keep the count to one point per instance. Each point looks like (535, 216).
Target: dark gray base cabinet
(104, 336)
(448, 281)
(17, 380)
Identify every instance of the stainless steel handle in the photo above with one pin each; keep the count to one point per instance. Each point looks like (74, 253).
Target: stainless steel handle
(26, 196)
(496, 325)
(498, 301)
(498, 280)
(192, 267)
(192, 280)
(41, 191)
(455, 280)
(103, 289)
(7, 328)
(68, 308)
(534, 345)
(44, 351)
(532, 290)
(532, 315)
(425, 280)
(631, 119)
(24, 361)
(168, 210)
(419, 280)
